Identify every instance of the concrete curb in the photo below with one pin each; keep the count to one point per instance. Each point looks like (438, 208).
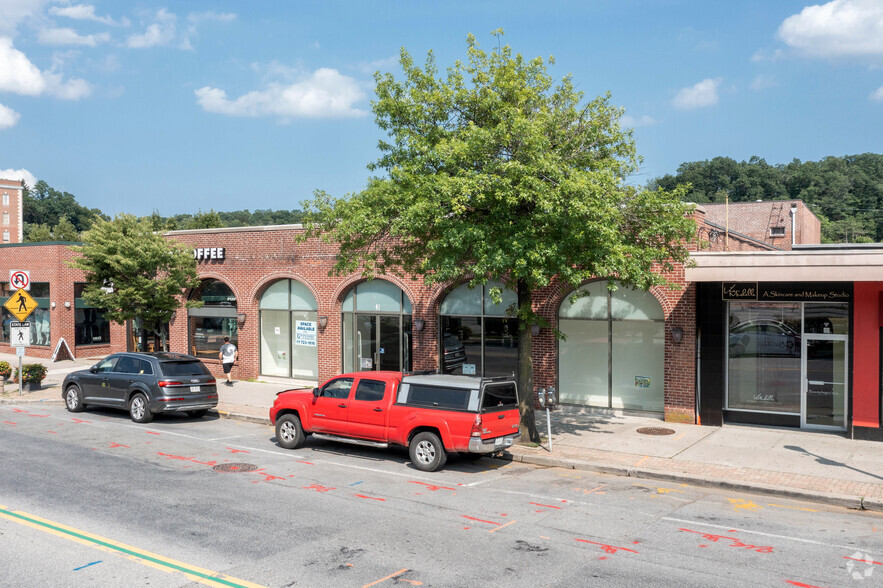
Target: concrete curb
(845, 501)
(242, 417)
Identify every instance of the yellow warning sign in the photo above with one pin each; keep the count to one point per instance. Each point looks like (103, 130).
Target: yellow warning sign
(21, 304)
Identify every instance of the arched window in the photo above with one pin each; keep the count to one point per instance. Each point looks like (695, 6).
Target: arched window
(614, 352)
(476, 335)
(289, 331)
(215, 320)
(376, 319)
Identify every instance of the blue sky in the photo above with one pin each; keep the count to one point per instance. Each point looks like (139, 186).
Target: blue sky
(184, 106)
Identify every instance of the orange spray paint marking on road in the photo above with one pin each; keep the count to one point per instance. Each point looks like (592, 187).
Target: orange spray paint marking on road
(801, 584)
(151, 432)
(114, 445)
(431, 487)
(870, 561)
(8, 423)
(501, 526)
(642, 460)
(305, 462)
(18, 410)
(395, 575)
(318, 488)
(370, 497)
(237, 450)
(479, 520)
(545, 505)
(81, 421)
(604, 547)
(735, 542)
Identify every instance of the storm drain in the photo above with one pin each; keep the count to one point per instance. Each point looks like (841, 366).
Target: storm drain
(235, 467)
(655, 431)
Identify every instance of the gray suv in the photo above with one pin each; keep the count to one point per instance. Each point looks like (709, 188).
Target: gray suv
(145, 384)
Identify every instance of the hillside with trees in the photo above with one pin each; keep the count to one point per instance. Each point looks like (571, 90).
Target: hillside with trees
(846, 193)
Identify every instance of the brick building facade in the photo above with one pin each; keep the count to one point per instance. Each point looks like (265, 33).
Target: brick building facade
(11, 211)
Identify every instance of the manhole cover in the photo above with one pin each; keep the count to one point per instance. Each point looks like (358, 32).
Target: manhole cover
(655, 431)
(235, 467)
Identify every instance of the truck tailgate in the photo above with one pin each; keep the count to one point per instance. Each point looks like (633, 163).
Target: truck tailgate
(499, 423)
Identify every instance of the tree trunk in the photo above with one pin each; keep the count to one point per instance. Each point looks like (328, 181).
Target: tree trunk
(524, 379)
(162, 335)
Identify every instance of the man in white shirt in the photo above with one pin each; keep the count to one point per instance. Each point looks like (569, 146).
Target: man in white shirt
(228, 356)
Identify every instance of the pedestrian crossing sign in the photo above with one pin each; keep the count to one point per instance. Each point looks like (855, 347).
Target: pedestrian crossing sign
(21, 304)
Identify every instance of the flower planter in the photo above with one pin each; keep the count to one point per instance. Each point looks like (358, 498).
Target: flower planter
(31, 386)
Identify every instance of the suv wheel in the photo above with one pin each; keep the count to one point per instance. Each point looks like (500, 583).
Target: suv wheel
(138, 409)
(427, 452)
(73, 399)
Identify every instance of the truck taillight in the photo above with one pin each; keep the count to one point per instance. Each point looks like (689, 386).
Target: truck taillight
(476, 426)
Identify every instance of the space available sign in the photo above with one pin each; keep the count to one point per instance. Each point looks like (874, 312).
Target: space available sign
(305, 333)
(787, 292)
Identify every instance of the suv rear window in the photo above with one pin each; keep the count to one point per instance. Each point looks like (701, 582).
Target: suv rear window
(183, 368)
(499, 396)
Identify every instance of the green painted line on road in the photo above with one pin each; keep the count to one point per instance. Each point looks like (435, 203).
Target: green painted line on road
(133, 552)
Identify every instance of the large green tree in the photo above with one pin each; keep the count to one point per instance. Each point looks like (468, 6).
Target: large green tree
(496, 172)
(132, 272)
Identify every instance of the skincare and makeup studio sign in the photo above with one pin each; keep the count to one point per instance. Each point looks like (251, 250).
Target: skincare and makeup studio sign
(787, 292)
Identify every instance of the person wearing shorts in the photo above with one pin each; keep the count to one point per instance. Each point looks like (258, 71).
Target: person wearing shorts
(228, 356)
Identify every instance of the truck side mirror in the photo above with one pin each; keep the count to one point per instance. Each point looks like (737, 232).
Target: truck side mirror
(316, 392)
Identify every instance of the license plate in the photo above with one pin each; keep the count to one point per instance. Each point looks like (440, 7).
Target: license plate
(194, 388)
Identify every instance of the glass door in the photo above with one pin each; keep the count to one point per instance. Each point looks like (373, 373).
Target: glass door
(382, 342)
(824, 382)
(366, 342)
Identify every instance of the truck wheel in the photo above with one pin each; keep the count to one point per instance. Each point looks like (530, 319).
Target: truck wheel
(138, 409)
(427, 452)
(289, 432)
(73, 399)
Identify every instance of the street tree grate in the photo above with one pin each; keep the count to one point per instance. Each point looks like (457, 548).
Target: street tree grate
(656, 431)
(235, 467)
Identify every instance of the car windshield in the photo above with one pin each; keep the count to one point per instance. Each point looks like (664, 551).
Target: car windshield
(183, 368)
(451, 340)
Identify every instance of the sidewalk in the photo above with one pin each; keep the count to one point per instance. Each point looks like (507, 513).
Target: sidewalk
(819, 467)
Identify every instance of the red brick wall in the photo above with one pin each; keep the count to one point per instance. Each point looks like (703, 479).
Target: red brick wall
(755, 219)
(14, 189)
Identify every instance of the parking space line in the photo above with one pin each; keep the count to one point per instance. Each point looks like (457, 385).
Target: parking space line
(160, 562)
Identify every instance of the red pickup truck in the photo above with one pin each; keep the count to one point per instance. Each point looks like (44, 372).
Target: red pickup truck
(431, 415)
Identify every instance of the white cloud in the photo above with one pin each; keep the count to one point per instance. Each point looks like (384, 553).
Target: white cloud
(632, 122)
(325, 94)
(8, 118)
(19, 76)
(877, 95)
(762, 82)
(161, 32)
(15, 11)
(19, 174)
(17, 73)
(66, 36)
(698, 96)
(86, 12)
(382, 65)
(211, 16)
(842, 28)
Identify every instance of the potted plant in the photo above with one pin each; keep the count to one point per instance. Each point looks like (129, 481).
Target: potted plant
(33, 375)
(5, 370)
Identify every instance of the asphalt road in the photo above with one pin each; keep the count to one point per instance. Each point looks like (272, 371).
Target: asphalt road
(92, 499)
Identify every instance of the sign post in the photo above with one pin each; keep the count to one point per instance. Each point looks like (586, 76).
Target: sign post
(21, 305)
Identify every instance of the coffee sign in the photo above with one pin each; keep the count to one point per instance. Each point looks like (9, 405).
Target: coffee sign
(208, 253)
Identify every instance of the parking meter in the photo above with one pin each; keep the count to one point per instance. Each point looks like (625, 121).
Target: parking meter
(551, 397)
(548, 398)
(541, 396)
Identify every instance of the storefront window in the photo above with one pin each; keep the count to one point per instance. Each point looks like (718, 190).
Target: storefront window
(289, 331)
(90, 326)
(476, 336)
(39, 318)
(376, 323)
(764, 348)
(614, 352)
(215, 320)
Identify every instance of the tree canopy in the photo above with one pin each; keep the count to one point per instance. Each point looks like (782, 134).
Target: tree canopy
(846, 193)
(495, 172)
(132, 272)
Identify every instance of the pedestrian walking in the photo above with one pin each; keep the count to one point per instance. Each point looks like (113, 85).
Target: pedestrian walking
(228, 356)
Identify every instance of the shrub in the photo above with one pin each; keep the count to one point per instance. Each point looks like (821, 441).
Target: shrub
(33, 372)
(5, 369)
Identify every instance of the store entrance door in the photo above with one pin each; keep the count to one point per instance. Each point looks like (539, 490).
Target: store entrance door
(379, 343)
(825, 383)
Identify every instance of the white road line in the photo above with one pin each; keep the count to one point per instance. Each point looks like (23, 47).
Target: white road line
(771, 535)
